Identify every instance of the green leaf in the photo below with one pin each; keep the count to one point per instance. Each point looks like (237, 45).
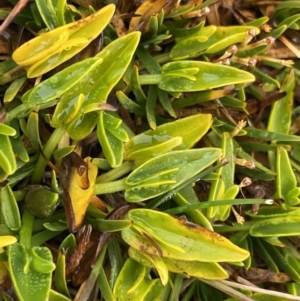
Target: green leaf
(281, 113)
(7, 130)
(178, 240)
(112, 146)
(39, 260)
(104, 225)
(187, 196)
(286, 182)
(205, 270)
(66, 111)
(116, 58)
(9, 209)
(14, 88)
(165, 172)
(208, 76)
(280, 226)
(56, 85)
(167, 136)
(52, 12)
(33, 130)
(219, 38)
(133, 285)
(60, 275)
(28, 283)
(55, 296)
(225, 181)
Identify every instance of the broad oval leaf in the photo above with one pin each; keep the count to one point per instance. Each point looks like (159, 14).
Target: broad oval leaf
(28, 283)
(56, 85)
(178, 240)
(209, 76)
(205, 270)
(280, 226)
(165, 172)
(49, 50)
(190, 129)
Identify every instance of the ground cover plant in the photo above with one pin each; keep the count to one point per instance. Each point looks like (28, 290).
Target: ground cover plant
(149, 150)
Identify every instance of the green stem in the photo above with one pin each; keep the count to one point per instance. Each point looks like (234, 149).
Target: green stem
(110, 187)
(12, 74)
(204, 205)
(48, 150)
(26, 228)
(115, 173)
(17, 111)
(162, 58)
(150, 79)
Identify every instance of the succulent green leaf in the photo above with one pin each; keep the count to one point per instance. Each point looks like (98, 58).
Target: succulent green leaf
(55, 296)
(33, 130)
(116, 58)
(104, 225)
(56, 85)
(205, 270)
(165, 172)
(9, 209)
(60, 275)
(279, 226)
(167, 136)
(39, 260)
(176, 239)
(111, 145)
(133, 285)
(52, 12)
(66, 111)
(224, 182)
(151, 261)
(209, 76)
(63, 152)
(7, 130)
(28, 283)
(219, 38)
(162, 147)
(14, 88)
(266, 212)
(281, 113)
(286, 182)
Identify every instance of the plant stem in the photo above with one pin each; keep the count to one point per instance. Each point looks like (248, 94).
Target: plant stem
(48, 150)
(15, 112)
(259, 290)
(26, 228)
(150, 79)
(110, 187)
(115, 173)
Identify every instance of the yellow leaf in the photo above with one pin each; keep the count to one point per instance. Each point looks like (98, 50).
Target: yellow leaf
(6, 240)
(81, 190)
